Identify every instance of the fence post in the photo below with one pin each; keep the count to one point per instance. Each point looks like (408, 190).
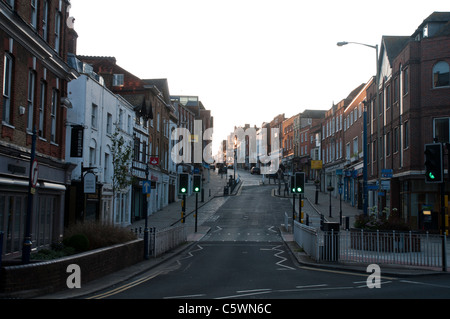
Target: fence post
(444, 253)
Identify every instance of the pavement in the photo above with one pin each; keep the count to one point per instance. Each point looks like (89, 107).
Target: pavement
(213, 189)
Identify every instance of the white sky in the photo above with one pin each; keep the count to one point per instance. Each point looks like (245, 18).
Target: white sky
(247, 60)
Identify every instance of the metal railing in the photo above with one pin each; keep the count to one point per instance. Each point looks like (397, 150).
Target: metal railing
(161, 241)
(393, 248)
(166, 239)
(307, 238)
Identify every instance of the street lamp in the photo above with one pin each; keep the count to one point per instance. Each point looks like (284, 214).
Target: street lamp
(330, 189)
(365, 191)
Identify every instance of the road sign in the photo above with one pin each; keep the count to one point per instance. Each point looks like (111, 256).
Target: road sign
(34, 173)
(146, 187)
(154, 160)
(386, 173)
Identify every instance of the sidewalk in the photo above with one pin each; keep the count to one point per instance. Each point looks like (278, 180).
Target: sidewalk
(323, 205)
(171, 214)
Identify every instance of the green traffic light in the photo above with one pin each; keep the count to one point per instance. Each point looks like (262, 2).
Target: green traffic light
(183, 190)
(197, 189)
(431, 175)
(299, 190)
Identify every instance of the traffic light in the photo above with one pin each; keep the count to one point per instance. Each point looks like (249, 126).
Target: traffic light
(300, 183)
(197, 183)
(183, 183)
(292, 184)
(434, 170)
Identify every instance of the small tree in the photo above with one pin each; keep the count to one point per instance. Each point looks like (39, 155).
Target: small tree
(122, 157)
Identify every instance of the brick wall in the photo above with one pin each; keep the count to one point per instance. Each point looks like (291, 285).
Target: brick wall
(50, 276)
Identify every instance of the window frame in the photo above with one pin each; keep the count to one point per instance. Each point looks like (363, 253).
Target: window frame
(433, 72)
(7, 88)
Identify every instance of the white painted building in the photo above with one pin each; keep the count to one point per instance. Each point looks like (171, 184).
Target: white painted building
(99, 112)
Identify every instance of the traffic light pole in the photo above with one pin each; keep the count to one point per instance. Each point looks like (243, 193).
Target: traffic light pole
(293, 208)
(183, 209)
(196, 210)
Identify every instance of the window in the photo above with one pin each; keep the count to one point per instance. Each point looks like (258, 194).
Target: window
(120, 119)
(355, 146)
(106, 168)
(396, 140)
(42, 109)
(406, 138)
(53, 116)
(7, 77)
(441, 129)
(405, 81)
(10, 3)
(137, 145)
(57, 31)
(396, 89)
(109, 123)
(388, 143)
(374, 151)
(31, 93)
(157, 122)
(388, 96)
(45, 21)
(34, 13)
(118, 80)
(94, 116)
(441, 74)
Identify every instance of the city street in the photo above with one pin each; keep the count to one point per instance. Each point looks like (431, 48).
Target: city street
(244, 256)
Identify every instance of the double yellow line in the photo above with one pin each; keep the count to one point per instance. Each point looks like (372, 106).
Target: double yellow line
(126, 286)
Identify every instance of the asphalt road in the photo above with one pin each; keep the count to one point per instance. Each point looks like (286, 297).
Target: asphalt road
(244, 257)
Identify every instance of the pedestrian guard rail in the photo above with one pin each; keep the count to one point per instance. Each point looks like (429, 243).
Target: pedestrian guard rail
(422, 250)
(161, 241)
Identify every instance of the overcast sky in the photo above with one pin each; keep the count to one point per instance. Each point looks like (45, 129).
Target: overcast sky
(247, 60)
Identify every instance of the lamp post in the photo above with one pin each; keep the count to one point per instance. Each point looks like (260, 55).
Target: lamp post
(330, 189)
(365, 191)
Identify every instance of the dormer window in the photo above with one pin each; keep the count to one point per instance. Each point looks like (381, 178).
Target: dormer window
(118, 80)
(441, 74)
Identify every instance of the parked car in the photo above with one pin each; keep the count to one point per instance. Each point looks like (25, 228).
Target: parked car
(255, 170)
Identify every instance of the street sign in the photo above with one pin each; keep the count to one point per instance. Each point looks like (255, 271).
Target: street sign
(386, 173)
(154, 160)
(34, 173)
(146, 187)
(89, 183)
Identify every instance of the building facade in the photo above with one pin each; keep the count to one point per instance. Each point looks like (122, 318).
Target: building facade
(412, 109)
(34, 46)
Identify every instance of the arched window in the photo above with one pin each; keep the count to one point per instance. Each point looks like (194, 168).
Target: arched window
(441, 74)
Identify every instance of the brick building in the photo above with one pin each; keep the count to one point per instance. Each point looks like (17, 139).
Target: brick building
(334, 140)
(35, 40)
(287, 143)
(412, 110)
(309, 141)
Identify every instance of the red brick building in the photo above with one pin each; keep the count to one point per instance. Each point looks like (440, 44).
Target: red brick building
(413, 108)
(35, 39)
